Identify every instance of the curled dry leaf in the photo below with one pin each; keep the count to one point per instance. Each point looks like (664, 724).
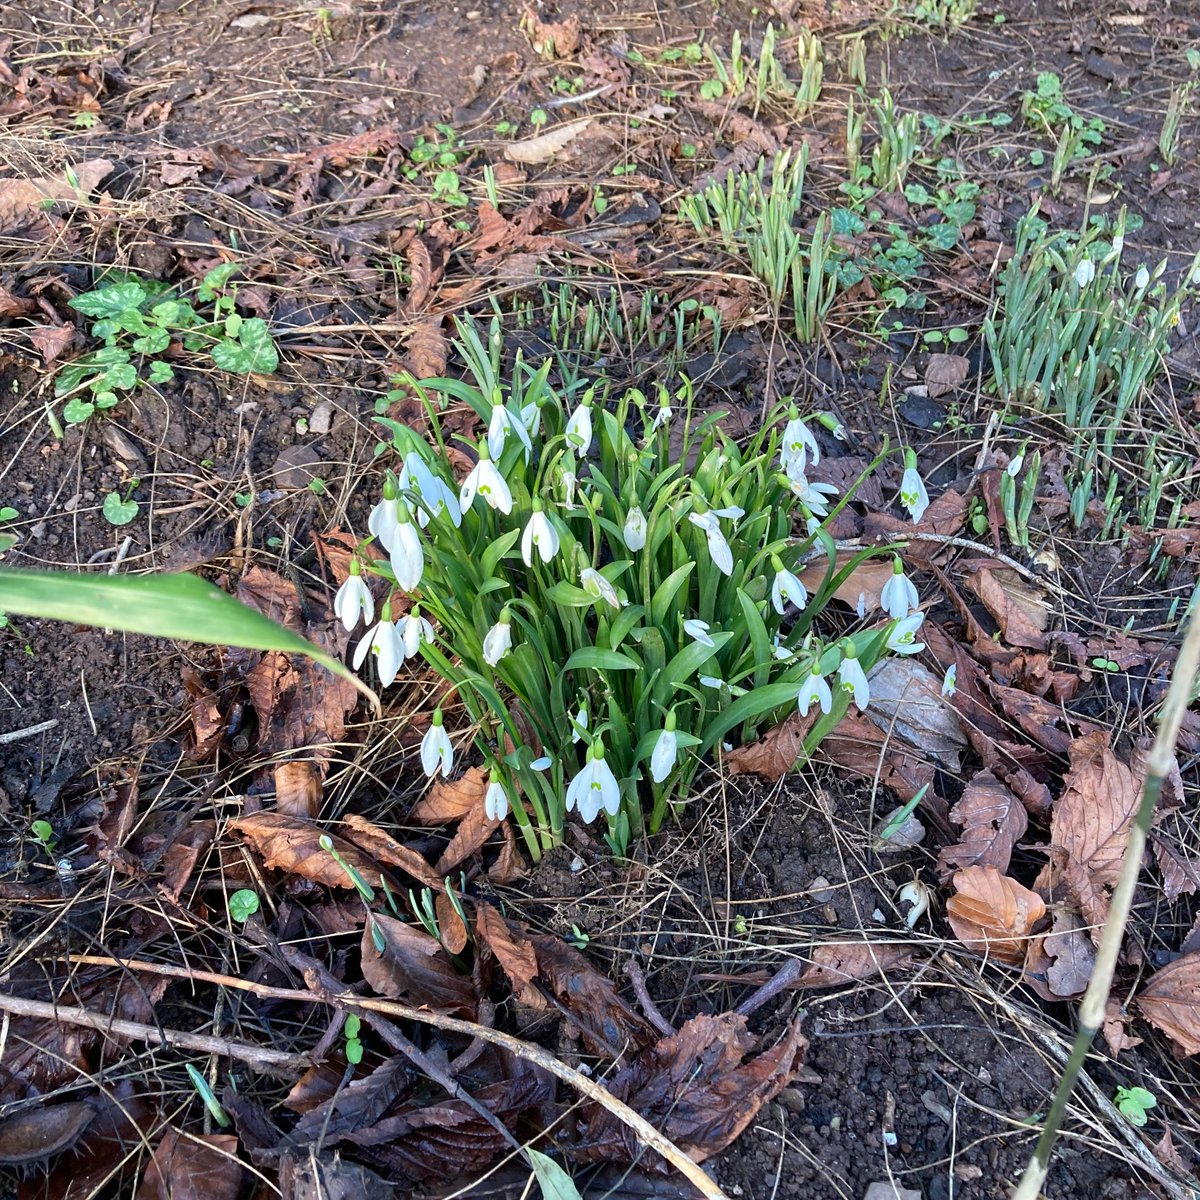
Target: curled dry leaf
(208, 726)
(512, 951)
(907, 703)
(414, 966)
(1180, 873)
(865, 581)
(1020, 609)
(21, 200)
(1090, 825)
(993, 914)
(292, 845)
(993, 821)
(775, 753)
(1060, 962)
(944, 373)
(473, 830)
(384, 848)
(695, 1088)
(1114, 1028)
(426, 350)
(1171, 1002)
(545, 146)
(297, 789)
(451, 799)
(834, 964)
(52, 341)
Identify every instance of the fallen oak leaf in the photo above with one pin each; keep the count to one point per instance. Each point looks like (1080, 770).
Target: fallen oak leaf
(993, 914)
(1114, 1030)
(1059, 963)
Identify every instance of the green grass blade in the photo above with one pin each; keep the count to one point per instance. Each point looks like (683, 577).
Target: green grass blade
(179, 606)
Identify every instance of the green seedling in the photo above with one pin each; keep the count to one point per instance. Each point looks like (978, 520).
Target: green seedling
(1168, 139)
(364, 889)
(578, 938)
(44, 832)
(119, 507)
(1017, 510)
(354, 1046)
(206, 1094)
(243, 904)
(1135, 1104)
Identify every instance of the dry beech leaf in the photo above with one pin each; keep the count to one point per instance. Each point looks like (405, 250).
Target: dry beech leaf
(695, 1088)
(292, 845)
(297, 789)
(51, 341)
(451, 799)
(775, 753)
(993, 914)
(993, 820)
(473, 830)
(21, 199)
(944, 373)
(865, 581)
(858, 746)
(1165, 1152)
(198, 1167)
(451, 926)
(426, 350)
(510, 864)
(1020, 609)
(1181, 875)
(384, 848)
(834, 964)
(1171, 1001)
(1090, 824)
(546, 145)
(512, 951)
(1060, 962)
(413, 965)
(208, 725)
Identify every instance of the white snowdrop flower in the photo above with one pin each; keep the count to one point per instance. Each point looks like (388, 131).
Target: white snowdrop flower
(579, 427)
(354, 599)
(384, 643)
(718, 547)
(798, 443)
(814, 496)
(503, 423)
(903, 638)
(861, 607)
(596, 585)
(385, 516)
(580, 723)
(898, 597)
(662, 418)
(1014, 466)
(666, 751)
(539, 533)
(408, 556)
(814, 688)
(498, 640)
(567, 480)
(413, 629)
(698, 631)
(1085, 272)
(852, 679)
(950, 682)
(1118, 244)
(634, 532)
(786, 588)
(486, 481)
(918, 898)
(594, 788)
(913, 496)
(433, 491)
(711, 681)
(495, 800)
(436, 751)
(531, 418)
(1142, 279)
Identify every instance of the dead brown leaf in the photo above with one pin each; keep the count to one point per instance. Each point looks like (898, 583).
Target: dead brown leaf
(1020, 609)
(473, 830)
(1171, 1002)
(1090, 824)
(945, 373)
(993, 914)
(451, 799)
(694, 1088)
(993, 821)
(180, 857)
(21, 200)
(297, 789)
(426, 350)
(384, 848)
(52, 341)
(512, 951)
(414, 966)
(775, 753)
(1181, 874)
(208, 726)
(834, 964)
(864, 583)
(1167, 1154)
(421, 275)
(451, 926)
(195, 1167)
(1114, 1028)
(857, 745)
(509, 865)
(1060, 962)
(292, 845)
(553, 39)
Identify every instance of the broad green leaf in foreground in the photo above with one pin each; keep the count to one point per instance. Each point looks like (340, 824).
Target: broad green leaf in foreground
(555, 1183)
(180, 606)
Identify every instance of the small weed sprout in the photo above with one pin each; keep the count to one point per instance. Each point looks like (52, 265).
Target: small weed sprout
(613, 588)
(1135, 1104)
(243, 904)
(354, 1046)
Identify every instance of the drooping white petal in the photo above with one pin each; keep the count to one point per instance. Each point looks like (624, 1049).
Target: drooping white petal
(384, 518)
(498, 428)
(798, 442)
(436, 751)
(787, 589)
(662, 760)
(579, 429)
(635, 529)
(698, 631)
(389, 651)
(913, 496)
(852, 678)
(903, 638)
(495, 801)
(898, 597)
(596, 585)
(949, 683)
(539, 533)
(814, 688)
(354, 600)
(497, 642)
(408, 557)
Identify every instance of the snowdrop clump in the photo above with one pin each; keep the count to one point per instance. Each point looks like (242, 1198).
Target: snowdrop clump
(612, 589)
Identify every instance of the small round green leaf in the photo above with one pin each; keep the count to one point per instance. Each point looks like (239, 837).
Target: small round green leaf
(243, 904)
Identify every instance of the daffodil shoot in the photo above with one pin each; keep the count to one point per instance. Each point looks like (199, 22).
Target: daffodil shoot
(613, 588)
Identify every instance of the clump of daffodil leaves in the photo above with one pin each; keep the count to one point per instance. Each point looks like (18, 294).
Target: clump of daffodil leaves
(612, 590)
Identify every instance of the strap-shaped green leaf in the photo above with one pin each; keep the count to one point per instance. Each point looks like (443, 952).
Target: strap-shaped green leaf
(180, 606)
